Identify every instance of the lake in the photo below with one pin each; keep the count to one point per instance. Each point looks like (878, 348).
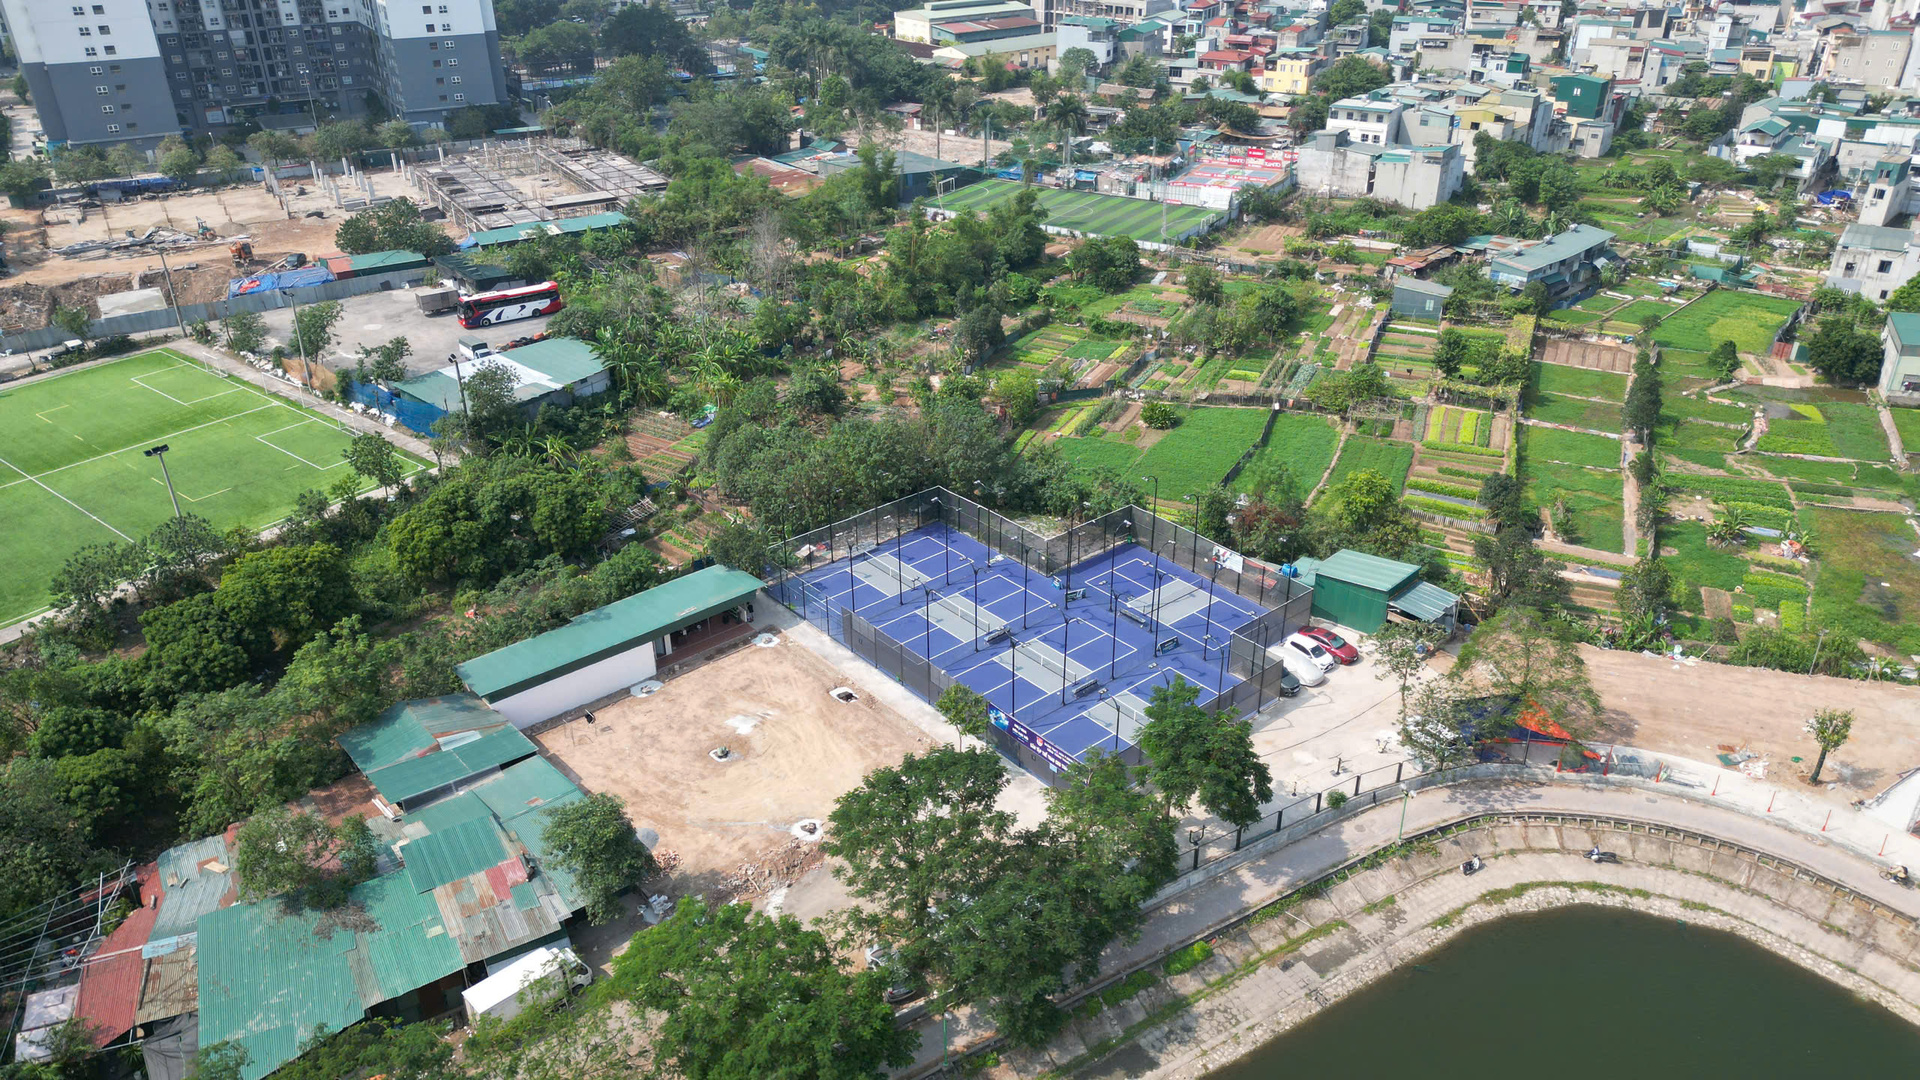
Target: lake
(1592, 992)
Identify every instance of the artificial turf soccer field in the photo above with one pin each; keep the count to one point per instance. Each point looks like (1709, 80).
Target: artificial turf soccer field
(73, 471)
(1086, 211)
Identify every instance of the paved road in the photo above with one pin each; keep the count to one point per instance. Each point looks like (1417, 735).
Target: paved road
(1208, 906)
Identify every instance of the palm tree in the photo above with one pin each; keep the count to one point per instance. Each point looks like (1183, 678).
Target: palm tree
(1069, 114)
(1729, 529)
(1664, 199)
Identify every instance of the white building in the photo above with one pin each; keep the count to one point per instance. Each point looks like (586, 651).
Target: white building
(1333, 165)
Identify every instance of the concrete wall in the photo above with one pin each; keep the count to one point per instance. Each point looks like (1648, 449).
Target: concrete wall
(163, 319)
(577, 688)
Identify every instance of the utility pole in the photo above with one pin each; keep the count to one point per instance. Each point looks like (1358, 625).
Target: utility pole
(160, 452)
(172, 296)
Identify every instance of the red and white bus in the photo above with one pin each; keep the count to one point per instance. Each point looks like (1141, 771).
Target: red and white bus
(506, 305)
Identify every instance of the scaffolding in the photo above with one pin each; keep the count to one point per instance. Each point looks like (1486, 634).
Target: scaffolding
(478, 190)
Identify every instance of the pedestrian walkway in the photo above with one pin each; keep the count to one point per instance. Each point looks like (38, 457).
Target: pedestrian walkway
(1738, 809)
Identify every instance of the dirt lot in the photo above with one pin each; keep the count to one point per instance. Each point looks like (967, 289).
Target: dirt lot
(1694, 711)
(1587, 354)
(794, 751)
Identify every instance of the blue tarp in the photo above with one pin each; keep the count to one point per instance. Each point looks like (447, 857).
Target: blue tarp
(1013, 173)
(284, 279)
(417, 416)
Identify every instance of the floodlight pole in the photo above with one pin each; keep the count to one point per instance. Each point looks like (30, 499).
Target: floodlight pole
(160, 452)
(1066, 656)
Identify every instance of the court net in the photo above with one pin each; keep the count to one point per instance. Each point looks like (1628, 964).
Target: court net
(1037, 658)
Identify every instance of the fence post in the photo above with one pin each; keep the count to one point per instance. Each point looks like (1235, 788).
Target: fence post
(1242, 829)
(1196, 857)
(1356, 784)
(1397, 768)
(1317, 796)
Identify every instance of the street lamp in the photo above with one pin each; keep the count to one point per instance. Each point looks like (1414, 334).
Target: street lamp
(160, 452)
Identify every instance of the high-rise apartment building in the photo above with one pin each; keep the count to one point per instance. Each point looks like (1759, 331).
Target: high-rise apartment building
(104, 71)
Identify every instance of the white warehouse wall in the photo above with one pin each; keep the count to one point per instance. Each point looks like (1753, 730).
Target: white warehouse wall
(574, 689)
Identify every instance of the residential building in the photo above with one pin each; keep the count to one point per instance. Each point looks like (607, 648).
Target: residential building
(1099, 36)
(1291, 71)
(1872, 59)
(1332, 164)
(1900, 365)
(557, 371)
(1568, 264)
(916, 24)
(127, 71)
(1588, 97)
(1411, 33)
(1017, 38)
(1127, 11)
(1873, 260)
(1369, 120)
(1881, 179)
(1417, 299)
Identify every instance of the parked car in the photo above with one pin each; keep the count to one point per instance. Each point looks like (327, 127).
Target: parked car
(1289, 683)
(900, 988)
(1301, 668)
(1340, 647)
(1310, 651)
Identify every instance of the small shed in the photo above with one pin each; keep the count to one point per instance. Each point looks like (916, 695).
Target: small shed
(1417, 299)
(1361, 591)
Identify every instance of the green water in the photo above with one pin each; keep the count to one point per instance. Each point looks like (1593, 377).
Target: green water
(1593, 992)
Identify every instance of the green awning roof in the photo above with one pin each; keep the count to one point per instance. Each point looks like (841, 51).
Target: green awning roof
(415, 776)
(1366, 571)
(607, 631)
(1424, 601)
(451, 854)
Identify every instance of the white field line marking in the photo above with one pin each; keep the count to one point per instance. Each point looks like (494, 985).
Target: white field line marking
(150, 441)
(43, 414)
(291, 454)
(69, 502)
(202, 498)
(136, 380)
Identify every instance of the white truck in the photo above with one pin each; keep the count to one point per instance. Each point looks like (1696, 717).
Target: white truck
(540, 977)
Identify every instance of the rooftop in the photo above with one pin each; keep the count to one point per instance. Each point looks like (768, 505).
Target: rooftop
(1366, 571)
(1423, 287)
(1875, 238)
(1577, 240)
(1905, 328)
(539, 369)
(607, 631)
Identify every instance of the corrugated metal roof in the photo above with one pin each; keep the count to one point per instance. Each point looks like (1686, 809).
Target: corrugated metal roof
(419, 775)
(564, 360)
(1424, 601)
(1366, 571)
(512, 233)
(269, 977)
(374, 262)
(1577, 240)
(191, 884)
(169, 986)
(446, 813)
(607, 631)
(410, 727)
(1905, 327)
(525, 787)
(110, 984)
(467, 848)
(530, 829)
(1425, 288)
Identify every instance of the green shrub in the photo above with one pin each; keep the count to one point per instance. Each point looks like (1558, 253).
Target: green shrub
(1445, 509)
(1470, 474)
(1187, 959)
(1436, 487)
(1793, 618)
(1774, 590)
(1462, 448)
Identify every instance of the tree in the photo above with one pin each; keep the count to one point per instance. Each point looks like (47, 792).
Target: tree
(648, 30)
(1380, 27)
(298, 856)
(914, 838)
(1351, 76)
(1437, 726)
(339, 139)
(1644, 403)
(1450, 352)
(1520, 656)
(180, 165)
(396, 134)
(1725, 358)
(594, 840)
(22, 179)
(1076, 62)
(287, 593)
(246, 331)
(1401, 649)
(1538, 300)
(1559, 187)
(372, 456)
(313, 328)
(1363, 501)
(384, 364)
(223, 162)
(72, 321)
(274, 147)
(978, 332)
(964, 708)
(1843, 353)
(1194, 754)
(1159, 415)
(89, 576)
(1110, 263)
(1906, 297)
(741, 995)
(392, 226)
(1829, 729)
(1346, 11)
(1645, 588)
(1203, 284)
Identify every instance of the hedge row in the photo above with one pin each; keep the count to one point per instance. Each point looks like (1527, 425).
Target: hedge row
(1437, 487)
(1445, 509)
(1461, 448)
(1470, 474)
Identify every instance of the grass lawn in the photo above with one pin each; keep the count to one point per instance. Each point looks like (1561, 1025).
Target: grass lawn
(1569, 447)
(1695, 563)
(1676, 435)
(1673, 407)
(1088, 455)
(72, 472)
(1907, 423)
(1579, 382)
(1680, 363)
(1797, 437)
(1389, 459)
(1868, 583)
(1303, 442)
(1573, 316)
(1197, 453)
(1856, 431)
(1594, 496)
(1640, 309)
(1749, 320)
(1578, 412)
(1844, 473)
(1086, 211)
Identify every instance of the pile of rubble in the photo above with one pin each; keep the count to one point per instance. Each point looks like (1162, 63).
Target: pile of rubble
(157, 236)
(775, 868)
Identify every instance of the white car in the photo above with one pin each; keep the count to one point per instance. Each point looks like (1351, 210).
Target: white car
(1308, 672)
(1310, 652)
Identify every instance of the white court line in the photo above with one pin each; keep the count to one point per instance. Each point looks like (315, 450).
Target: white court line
(43, 413)
(147, 442)
(135, 379)
(291, 454)
(69, 502)
(190, 498)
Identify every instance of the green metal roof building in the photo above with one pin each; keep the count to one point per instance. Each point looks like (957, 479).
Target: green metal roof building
(606, 649)
(418, 751)
(1358, 590)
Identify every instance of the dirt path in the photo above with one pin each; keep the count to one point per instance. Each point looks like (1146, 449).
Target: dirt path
(1893, 433)
(1337, 447)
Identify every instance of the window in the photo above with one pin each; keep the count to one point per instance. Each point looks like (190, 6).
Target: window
(180, 76)
(426, 9)
(101, 90)
(110, 49)
(94, 70)
(433, 46)
(1883, 294)
(436, 63)
(91, 51)
(456, 80)
(1886, 266)
(429, 28)
(99, 9)
(112, 128)
(106, 31)
(115, 68)
(439, 82)
(85, 32)
(177, 58)
(106, 108)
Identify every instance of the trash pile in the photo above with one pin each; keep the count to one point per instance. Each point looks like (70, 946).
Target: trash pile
(776, 868)
(157, 236)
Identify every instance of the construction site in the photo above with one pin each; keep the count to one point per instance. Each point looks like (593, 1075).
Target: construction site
(77, 249)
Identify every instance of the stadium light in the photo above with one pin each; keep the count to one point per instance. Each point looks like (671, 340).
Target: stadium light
(160, 452)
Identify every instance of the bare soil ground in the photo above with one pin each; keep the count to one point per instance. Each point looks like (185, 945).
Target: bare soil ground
(1588, 354)
(1694, 711)
(1270, 239)
(728, 826)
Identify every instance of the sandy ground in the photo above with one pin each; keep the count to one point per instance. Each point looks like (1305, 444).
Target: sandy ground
(1695, 711)
(795, 750)
(964, 149)
(1587, 354)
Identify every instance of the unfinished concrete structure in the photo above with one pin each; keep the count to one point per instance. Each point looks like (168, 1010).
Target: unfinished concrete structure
(518, 183)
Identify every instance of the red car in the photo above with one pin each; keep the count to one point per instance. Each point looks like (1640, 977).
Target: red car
(1341, 649)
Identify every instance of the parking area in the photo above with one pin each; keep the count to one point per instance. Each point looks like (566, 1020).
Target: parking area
(376, 318)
